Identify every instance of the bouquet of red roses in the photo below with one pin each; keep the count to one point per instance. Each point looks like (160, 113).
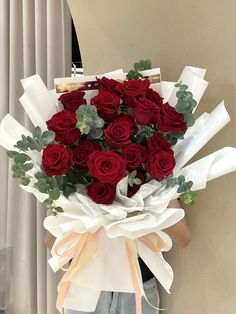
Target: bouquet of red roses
(125, 130)
(106, 156)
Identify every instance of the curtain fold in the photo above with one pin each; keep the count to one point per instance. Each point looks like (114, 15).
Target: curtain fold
(35, 37)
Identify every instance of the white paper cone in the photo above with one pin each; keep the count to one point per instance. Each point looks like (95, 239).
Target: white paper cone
(210, 167)
(208, 127)
(37, 101)
(193, 78)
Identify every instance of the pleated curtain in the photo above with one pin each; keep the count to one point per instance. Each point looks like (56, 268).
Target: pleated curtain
(35, 37)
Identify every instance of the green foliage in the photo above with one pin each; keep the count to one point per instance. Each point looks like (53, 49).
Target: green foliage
(89, 122)
(184, 188)
(142, 65)
(68, 189)
(132, 178)
(37, 142)
(173, 137)
(185, 103)
(188, 197)
(133, 75)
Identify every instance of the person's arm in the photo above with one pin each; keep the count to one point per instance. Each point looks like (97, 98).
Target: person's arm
(179, 232)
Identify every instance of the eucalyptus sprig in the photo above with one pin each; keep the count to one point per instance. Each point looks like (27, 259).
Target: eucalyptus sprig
(142, 65)
(132, 178)
(184, 188)
(185, 103)
(37, 142)
(89, 122)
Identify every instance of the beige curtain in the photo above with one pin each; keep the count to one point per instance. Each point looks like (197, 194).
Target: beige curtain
(35, 37)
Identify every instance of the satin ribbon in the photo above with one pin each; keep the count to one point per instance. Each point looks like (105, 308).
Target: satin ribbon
(82, 251)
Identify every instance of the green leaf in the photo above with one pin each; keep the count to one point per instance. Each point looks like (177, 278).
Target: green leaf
(15, 167)
(28, 166)
(182, 188)
(37, 132)
(189, 185)
(133, 174)
(18, 173)
(189, 119)
(188, 197)
(59, 209)
(68, 189)
(48, 137)
(43, 188)
(54, 194)
(48, 201)
(12, 153)
(137, 181)
(40, 175)
(25, 181)
(21, 158)
(181, 179)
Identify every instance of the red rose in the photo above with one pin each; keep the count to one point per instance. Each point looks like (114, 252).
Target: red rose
(107, 166)
(154, 96)
(160, 164)
(134, 155)
(118, 132)
(105, 84)
(102, 193)
(72, 100)
(82, 152)
(145, 111)
(63, 124)
(157, 142)
(133, 87)
(107, 105)
(131, 122)
(56, 159)
(169, 120)
(134, 189)
(129, 101)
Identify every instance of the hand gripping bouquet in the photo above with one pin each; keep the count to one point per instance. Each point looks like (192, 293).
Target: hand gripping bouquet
(106, 156)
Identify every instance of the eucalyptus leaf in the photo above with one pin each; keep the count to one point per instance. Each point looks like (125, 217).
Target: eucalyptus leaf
(54, 193)
(28, 166)
(37, 132)
(12, 153)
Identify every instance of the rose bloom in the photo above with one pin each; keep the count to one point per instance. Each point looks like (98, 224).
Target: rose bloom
(63, 124)
(102, 193)
(107, 166)
(82, 152)
(134, 189)
(145, 111)
(106, 84)
(129, 119)
(133, 87)
(107, 105)
(160, 164)
(72, 100)
(118, 133)
(157, 142)
(169, 120)
(154, 96)
(134, 154)
(56, 159)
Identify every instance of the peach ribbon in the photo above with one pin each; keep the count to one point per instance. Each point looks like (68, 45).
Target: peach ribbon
(134, 264)
(83, 250)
